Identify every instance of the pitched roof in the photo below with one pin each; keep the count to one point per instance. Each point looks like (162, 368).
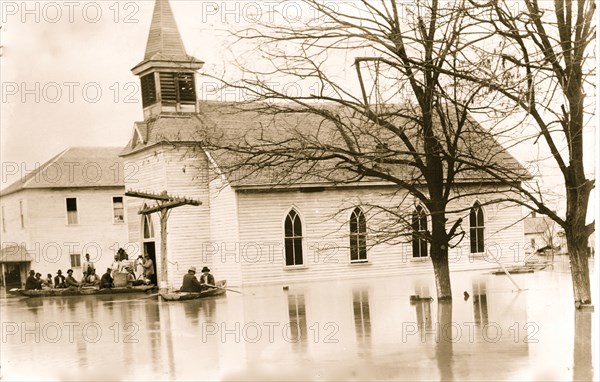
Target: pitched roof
(537, 225)
(165, 46)
(15, 254)
(75, 167)
(231, 123)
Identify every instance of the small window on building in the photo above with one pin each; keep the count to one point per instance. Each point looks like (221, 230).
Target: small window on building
(75, 260)
(419, 229)
(293, 239)
(71, 210)
(477, 229)
(358, 236)
(532, 243)
(118, 211)
(533, 214)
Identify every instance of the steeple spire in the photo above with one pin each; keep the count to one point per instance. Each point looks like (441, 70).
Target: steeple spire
(165, 47)
(164, 36)
(166, 72)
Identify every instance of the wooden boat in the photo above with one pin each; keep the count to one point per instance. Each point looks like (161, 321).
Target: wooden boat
(528, 268)
(85, 291)
(219, 289)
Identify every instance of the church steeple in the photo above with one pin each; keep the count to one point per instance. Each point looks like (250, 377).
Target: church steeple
(167, 71)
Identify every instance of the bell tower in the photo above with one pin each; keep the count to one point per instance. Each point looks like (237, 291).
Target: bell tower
(166, 72)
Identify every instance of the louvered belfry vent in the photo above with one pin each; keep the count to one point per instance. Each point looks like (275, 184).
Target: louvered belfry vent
(177, 88)
(148, 89)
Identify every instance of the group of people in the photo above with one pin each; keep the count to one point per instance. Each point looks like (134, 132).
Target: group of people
(140, 272)
(35, 281)
(191, 283)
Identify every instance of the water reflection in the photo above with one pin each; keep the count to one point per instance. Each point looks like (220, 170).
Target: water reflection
(583, 369)
(377, 333)
(480, 306)
(362, 320)
(298, 332)
(444, 350)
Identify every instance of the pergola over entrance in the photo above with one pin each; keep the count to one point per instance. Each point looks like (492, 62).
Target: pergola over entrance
(164, 204)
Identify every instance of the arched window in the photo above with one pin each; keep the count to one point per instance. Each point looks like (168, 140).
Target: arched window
(358, 236)
(148, 227)
(477, 228)
(293, 239)
(419, 228)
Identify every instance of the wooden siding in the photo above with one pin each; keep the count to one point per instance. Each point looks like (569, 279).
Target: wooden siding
(223, 248)
(48, 237)
(325, 231)
(172, 169)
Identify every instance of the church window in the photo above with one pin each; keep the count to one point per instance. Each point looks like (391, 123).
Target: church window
(358, 236)
(477, 228)
(419, 228)
(293, 239)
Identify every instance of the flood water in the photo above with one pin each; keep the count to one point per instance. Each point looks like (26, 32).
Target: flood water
(338, 330)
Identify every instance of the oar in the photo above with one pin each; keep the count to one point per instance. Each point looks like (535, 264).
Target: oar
(149, 296)
(218, 287)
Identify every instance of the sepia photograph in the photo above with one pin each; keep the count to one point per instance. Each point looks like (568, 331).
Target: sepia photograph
(298, 190)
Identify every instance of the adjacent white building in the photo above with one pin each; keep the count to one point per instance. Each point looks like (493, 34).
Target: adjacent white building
(71, 205)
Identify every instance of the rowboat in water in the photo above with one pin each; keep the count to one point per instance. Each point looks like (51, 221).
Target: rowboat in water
(218, 289)
(85, 291)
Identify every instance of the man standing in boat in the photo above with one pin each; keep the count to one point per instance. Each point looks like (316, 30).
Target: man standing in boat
(207, 278)
(190, 282)
(88, 266)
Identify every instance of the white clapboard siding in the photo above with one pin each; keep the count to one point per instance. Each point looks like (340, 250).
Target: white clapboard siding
(169, 168)
(50, 240)
(325, 231)
(222, 250)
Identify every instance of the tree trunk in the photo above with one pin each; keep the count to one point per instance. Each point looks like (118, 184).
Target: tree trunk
(578, 191)
(580, 273)
(439, 256)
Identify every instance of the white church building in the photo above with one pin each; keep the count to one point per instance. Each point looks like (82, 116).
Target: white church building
(252, 230)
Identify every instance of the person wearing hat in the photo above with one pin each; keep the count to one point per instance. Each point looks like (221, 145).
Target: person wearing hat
(190, 282)
(59, 280)
(70, 281)
(206, 277)
(107, 281)
(31, 283)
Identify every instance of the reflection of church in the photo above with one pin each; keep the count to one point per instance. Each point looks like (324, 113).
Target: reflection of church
(250, 231)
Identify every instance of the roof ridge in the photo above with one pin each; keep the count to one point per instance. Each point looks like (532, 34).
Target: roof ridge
(45, 165)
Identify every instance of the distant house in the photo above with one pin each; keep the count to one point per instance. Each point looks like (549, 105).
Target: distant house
(540, 232)
(69, 206)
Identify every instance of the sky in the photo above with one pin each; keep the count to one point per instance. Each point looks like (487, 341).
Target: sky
(66, 80)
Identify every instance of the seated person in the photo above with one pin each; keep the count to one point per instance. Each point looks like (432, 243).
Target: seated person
(83, 278)
(49, 280)
(70, 280)
(206, 278)
(107, 281)
(31, 283)
(59, 280)
(42, 282)
(92, 278)
(190, 282)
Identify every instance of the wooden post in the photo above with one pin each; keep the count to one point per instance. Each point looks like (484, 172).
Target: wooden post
(3, 276)
(163, 283)
(164, 203)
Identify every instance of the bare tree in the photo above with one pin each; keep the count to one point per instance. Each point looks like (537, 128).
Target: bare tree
(544, 63)
(403, 119)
